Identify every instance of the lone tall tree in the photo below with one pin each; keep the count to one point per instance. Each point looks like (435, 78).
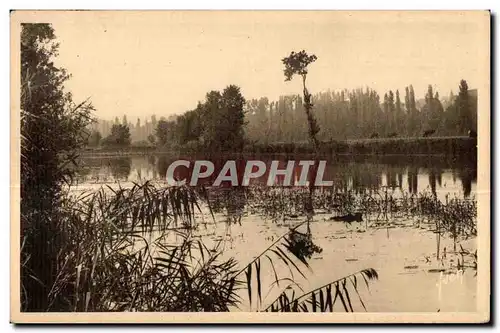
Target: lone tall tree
(296, 64)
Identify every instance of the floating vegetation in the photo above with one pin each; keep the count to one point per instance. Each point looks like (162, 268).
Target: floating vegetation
(301, 245)
(349, 218)
(411, 267)
(455, 217)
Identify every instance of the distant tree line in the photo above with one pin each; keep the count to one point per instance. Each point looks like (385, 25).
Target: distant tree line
(341, 115)
(362, 113)
(139, 133)
(225, 120)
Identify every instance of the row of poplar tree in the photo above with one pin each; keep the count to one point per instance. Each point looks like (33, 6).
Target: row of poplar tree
(362, 113)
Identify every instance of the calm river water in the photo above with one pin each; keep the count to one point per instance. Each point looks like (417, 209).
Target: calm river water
(438, 174)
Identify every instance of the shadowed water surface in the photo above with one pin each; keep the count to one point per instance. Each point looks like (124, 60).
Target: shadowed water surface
(439, 174)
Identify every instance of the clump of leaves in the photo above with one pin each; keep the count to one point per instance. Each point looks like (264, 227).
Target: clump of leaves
(296, 63)
(301, 245)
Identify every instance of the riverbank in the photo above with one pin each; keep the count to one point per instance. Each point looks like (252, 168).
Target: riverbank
(463, 147)
(453, 146)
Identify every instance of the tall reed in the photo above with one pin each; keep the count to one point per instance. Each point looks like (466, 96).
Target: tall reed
(133, 249)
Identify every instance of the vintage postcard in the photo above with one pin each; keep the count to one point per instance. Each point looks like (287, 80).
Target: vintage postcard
(250, 164)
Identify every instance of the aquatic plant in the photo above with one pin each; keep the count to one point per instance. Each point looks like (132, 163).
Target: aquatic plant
(133, 249)
(456, 217)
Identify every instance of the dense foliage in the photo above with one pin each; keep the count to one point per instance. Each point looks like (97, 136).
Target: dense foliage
(53, 128)
(216, 124)
(94, 139)
(119, 137)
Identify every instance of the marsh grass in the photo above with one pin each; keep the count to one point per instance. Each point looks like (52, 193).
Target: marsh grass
(456, 216)
(132, 249)
(384, 207)
(109, 262)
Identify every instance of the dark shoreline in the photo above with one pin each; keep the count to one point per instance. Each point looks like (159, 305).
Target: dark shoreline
(454, 147)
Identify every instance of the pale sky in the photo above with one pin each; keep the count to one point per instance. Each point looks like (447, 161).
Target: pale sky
(162, 63)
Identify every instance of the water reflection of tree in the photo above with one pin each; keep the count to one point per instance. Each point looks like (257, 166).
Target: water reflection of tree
(235, 204)
(394, 174)
(88, 169)
(467, 176)
(229, 200)
(413, 179)
(400, 177)
(391, 179)
(162, 164)
(152, 160)
(365, 176)
(152, 165)
(435, 177)
(432, 181)
(357, 173)
(337, 173)
(120, 167)
(83, 173)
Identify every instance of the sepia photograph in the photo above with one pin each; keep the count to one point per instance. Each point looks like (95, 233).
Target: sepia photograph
(165, 164)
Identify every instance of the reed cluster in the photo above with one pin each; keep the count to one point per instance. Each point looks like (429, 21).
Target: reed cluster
(134, 249)
(456, 216)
